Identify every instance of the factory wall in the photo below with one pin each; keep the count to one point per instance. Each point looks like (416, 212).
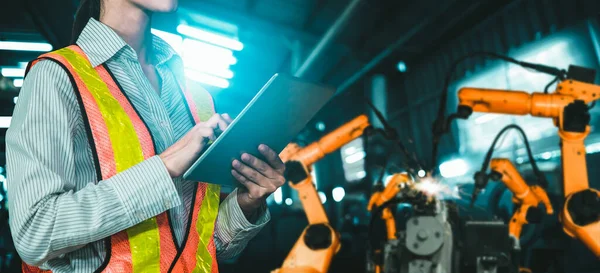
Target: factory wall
(518, 25)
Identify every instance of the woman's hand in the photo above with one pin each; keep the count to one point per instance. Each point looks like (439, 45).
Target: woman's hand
(260, 178)
(181, 155)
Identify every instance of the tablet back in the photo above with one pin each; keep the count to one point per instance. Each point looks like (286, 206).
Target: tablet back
(279, 111)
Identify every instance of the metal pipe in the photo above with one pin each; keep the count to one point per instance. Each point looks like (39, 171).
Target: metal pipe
(328, 37)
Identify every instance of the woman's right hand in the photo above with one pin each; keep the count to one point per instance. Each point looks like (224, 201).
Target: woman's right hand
(180, 156)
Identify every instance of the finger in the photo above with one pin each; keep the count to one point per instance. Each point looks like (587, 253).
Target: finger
(272, 158)
(223, 124)
(239, 177)
(206, 133)
(259, 165)
(250, 174)
(227, 118)
(213, 121)
(254, 191)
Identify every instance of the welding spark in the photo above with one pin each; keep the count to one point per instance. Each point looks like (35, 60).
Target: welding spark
(431, 187)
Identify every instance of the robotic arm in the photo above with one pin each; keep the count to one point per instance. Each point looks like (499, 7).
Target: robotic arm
(568, 108)
(528, 198)
(319, 242)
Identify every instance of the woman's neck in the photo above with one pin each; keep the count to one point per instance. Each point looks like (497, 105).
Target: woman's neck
(132, 23)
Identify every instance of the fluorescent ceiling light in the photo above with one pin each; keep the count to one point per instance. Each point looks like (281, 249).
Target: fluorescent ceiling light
(208, 49)
(353, 158)
(23, 64)
(199, 52)
(18, 83)
(361, 174)
(350, 150)
(215, 71)
(421, 173)
(206, 79)
(174, 40)
(25, 46)
(453, 168)
(5, 122)
(13, 72)
(338, 194)
(210, 37)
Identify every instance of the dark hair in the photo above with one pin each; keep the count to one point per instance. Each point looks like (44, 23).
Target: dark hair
(87, 9)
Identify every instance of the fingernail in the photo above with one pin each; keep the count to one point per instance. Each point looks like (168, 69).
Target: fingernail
(262, 147)
(236, 163)
(245, 157)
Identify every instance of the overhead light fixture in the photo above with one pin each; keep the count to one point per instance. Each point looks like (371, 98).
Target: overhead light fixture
(320, 126)
(401, 66)
(18, 83)
(203, 53)
(25, 46)
(289, 201)
(454, 168)
(361, 174)
(210, 37)
(206, 78)
(278, 196)
(350, 150)
(338, 194)
(353, 158)
(421, 173)
(323, 197)
(15, 99)
(5, 122)
(12, 72)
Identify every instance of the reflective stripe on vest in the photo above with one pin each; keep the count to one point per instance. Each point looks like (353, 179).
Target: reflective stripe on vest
(120, 139)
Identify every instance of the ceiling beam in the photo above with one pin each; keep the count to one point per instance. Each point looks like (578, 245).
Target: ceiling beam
(251, 25)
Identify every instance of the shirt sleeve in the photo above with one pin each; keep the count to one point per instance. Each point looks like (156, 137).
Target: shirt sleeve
(48, 215)
(233, 231)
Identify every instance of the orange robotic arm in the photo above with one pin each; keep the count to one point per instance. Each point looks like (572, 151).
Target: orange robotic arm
(569, 111)
(319, 242)
(379, 198)
(523, 195)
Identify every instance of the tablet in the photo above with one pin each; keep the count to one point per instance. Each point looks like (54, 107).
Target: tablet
(276, 115)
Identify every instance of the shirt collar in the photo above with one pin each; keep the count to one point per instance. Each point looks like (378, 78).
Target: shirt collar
(100, 43)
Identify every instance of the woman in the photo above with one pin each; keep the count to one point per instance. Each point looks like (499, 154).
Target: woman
(101, 134)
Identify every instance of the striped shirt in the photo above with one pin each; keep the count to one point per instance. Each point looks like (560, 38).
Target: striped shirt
(59, 213)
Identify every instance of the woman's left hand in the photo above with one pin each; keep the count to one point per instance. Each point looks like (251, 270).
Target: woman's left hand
(259, 177)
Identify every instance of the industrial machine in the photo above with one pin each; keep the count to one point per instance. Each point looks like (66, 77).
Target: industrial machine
(569, 109)
(425, 245)
(319, 242)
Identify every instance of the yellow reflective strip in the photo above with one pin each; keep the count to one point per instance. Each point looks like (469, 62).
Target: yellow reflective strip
(144, 242)
(124, 139)
(205, 226)
(202, 100)
(143, 238)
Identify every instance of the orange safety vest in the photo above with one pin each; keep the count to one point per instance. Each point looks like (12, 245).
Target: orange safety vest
(120, 139)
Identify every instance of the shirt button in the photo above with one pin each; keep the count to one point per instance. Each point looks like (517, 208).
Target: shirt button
(164, 124)
(168, 204)
(140, 215)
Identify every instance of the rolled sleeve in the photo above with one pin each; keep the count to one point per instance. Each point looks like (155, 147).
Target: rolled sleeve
(233, 231)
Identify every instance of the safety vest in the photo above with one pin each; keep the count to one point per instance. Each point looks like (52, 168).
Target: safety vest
(120, 139)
